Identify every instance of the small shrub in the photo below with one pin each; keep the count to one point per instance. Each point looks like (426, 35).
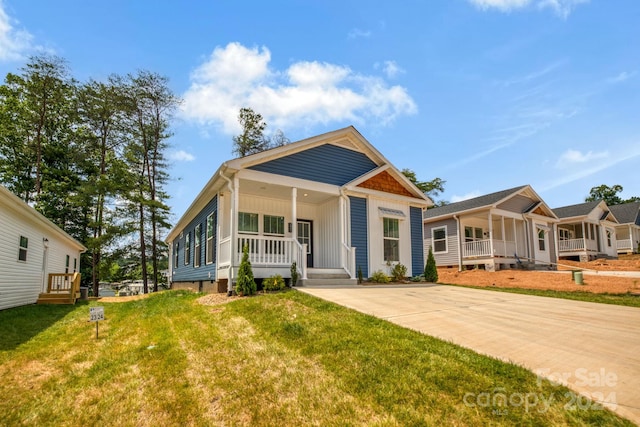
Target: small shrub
(294, 274)
(360, 274)
(245, 285)
(419, 278)
(430, 270)
(273, 283)
(379, 277)
(398, 272)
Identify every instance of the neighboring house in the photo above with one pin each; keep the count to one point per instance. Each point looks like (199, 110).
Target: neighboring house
(586, 231)
(33, 252)
(628, 228)
(331, 203)
(497, 230)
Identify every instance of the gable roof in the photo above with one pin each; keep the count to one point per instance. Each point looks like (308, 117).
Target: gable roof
(30, 214)
(584, 209)
(472, 204)
(350, 158)
(580, 209)
(628, 213)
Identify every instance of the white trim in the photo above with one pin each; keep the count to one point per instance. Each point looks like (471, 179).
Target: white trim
(446, 240)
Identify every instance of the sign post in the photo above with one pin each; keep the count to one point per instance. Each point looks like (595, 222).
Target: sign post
(95, 315)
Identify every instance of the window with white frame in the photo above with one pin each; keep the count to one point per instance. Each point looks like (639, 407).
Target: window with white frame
(211, 234)
(22, 251)
(247, 222)
(197, 237)
(541, 240)
(187, 249)
(472, 234)
(273, 225)
(564, 234)
(391, 239)
(439, 239)
(609, 238)
(177, 253)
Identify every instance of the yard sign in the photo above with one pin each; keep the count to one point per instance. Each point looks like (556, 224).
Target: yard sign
(96, 314)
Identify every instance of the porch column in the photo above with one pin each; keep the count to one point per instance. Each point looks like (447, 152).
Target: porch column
(233, 223)
(294, 213)
(515, 236)
(504, 236)
(584, 238)
(342, 239)
(490, 234)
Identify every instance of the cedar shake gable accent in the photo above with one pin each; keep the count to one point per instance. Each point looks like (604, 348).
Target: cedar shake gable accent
(385, 182)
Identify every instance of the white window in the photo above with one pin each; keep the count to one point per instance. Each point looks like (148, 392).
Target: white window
(439, 239)
(541, 240)
(211, 233)
(391, 239)
(472, 234)
(22, 252)
(177, 251)
(609, 238)
(197, 237)
(564, 234)
(187, 249)
(273, 225)
(248, 222)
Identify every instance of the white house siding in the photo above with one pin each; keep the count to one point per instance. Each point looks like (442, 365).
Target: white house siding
(22, 281)
(327, 234)
(449, 258)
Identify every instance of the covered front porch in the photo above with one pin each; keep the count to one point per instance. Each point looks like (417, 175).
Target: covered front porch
(492, 238)
(282, 222)
(579, 240)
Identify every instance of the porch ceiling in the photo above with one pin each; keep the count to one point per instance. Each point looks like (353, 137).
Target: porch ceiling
(282, 192)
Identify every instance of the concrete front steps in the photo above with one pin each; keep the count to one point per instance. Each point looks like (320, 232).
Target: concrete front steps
(327, 277)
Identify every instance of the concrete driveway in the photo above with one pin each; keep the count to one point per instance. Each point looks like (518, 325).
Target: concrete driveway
(592, 348)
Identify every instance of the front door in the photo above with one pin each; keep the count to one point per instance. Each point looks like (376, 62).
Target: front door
(305, 236)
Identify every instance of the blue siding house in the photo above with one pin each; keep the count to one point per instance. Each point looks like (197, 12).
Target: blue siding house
(331, 203)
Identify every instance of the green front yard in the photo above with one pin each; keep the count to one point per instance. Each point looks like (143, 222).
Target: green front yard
(277, 359)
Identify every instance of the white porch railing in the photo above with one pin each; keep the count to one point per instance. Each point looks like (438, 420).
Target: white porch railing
(273, 251)
(482, 248)
(349, 260)
(301, 259)
(477, 248)
(624, 244)
(575, 245)
(224, 256)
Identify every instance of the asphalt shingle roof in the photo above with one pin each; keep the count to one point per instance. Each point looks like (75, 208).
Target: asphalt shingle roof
(628, 213)
(476, 202)
(580, 209)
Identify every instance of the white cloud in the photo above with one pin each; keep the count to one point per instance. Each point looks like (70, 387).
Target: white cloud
(561, 7)
(306, 93)
(390, 69)
(622, 77)
(357, 33)
(570, 157)
(13, 42)
(467, 196)
(181, 156)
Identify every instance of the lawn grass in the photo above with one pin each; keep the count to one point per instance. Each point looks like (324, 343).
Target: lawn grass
(616, 299)
(278, 359)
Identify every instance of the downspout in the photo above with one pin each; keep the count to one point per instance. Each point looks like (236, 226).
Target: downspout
(459, 243)
(232, 225)
(344, 232)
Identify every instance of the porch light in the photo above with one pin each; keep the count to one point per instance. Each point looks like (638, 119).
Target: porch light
(305, 194)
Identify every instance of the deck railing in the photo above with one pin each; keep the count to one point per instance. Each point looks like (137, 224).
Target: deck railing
(624, 244)
(482, 248)
(349, 260)
(61, 283)
(273, 251)
(576, 245)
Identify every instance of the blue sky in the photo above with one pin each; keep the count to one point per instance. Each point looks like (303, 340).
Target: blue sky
(485, 94)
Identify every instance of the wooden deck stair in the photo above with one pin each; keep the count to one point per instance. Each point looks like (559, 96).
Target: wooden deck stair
(62, 288)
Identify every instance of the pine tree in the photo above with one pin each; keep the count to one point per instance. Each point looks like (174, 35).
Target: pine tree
(430, 270)
(245, 284)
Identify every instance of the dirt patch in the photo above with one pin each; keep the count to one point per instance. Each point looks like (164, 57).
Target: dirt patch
(216, 299)
(630, 263)
(123, 299)
(539, 280)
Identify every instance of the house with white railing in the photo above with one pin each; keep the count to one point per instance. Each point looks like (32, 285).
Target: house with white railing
(586, 231)
(332, 204)
(505, 229)
(628, 228)
(39, 262)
